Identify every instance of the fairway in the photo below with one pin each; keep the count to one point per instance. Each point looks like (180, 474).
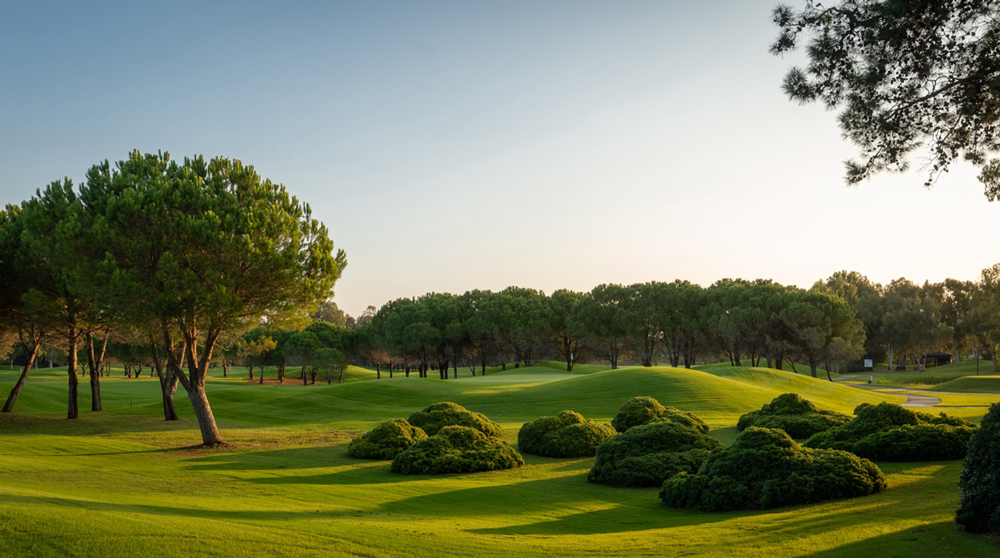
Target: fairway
(124, 483)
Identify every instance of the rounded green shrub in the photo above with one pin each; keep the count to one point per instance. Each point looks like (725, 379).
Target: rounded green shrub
(979, 507)
(766, 468)
(386, 441)
(796, 416)
(437, 416)
(643, 410)
(565, 435)
(648, 454)
(456, 449)
(888, 432)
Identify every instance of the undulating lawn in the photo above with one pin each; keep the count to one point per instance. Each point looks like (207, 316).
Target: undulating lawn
(124, 483)
(931, 378)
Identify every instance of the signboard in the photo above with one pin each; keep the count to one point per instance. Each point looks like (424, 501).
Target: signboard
(869, 363)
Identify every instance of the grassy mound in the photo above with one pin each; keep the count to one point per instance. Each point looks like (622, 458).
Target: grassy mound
(971, 384)
(642, 410)
(765, 469)
(648, 454)
(796, 416)
(887, 432)
(386, 441)
(565, 435)
(456, 449)
(979, 508)
(439, 415)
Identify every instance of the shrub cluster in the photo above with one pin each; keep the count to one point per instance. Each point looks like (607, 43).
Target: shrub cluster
(979, 507)
(648, 454)
(765, 469)
(456, 449)
(643, 410)
(887, 432)
(437, 416)
(565, 435)
(386, 441)
(798, 417)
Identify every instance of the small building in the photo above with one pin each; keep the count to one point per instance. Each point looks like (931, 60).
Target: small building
(937, 358)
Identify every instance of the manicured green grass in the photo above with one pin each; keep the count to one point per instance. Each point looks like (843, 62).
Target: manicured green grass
(930, 378)
(971, 384)
(121, 483)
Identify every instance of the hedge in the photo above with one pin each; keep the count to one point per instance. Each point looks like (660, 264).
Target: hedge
(648, 454)
(888, 432)
(796, 416)
(565, 435)
(766, 468)
(979, 506)
(437, 416)
(642, 410)
(386, 441)
(456, 449)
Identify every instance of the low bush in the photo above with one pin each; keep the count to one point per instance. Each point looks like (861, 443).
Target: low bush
(648, 454)
(798, 417)
(456, 449)
(437, 416)
(386, 441)
(979, 507)
(642, 410)
(888, 432)
(766, 468)
(565, 435)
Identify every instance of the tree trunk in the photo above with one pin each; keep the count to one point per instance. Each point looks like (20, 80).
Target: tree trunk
(305, 380)
(206, 420)
(73, 410)
(12, 398)
(812, 369)
(168, 384)
(281, 373)
(95, 379)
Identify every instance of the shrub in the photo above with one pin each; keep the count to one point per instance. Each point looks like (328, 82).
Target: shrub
(766, 468)
(648, 454)
(793, 414)
(642, 410)
(979, 507)
(386, 441)
(456, 449)
(565, 435)
(889, 432)
(437, 416)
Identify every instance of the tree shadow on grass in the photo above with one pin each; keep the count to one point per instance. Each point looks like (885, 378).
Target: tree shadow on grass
(930, 539)
(363, 473)
(310, 457)
(617, 519)
(231, 515)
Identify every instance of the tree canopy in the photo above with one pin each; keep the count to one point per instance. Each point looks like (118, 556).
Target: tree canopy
(905, 75)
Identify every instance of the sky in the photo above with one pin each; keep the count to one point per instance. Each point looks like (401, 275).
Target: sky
(451, 146)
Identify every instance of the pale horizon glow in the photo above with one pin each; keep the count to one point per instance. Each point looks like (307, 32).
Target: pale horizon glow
(451, 146)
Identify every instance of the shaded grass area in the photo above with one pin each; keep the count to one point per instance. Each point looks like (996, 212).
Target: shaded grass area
(124, 483)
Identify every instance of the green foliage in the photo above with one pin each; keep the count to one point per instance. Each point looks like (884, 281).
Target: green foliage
(765, 469)
(439, 415)
(565, 435)
(456, 449)
(648, 454)
(979, 507)
(798, 417)
(386, 441)
(889, 432)
(642, 410)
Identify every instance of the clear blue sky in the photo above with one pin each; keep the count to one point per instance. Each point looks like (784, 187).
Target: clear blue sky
(459, 145)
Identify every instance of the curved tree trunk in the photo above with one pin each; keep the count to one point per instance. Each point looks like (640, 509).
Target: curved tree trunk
(12, 398)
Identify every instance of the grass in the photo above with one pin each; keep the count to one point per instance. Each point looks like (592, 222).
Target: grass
(122, 483)
(927, 379)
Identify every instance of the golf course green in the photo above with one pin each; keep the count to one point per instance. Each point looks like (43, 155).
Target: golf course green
(123, 482)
